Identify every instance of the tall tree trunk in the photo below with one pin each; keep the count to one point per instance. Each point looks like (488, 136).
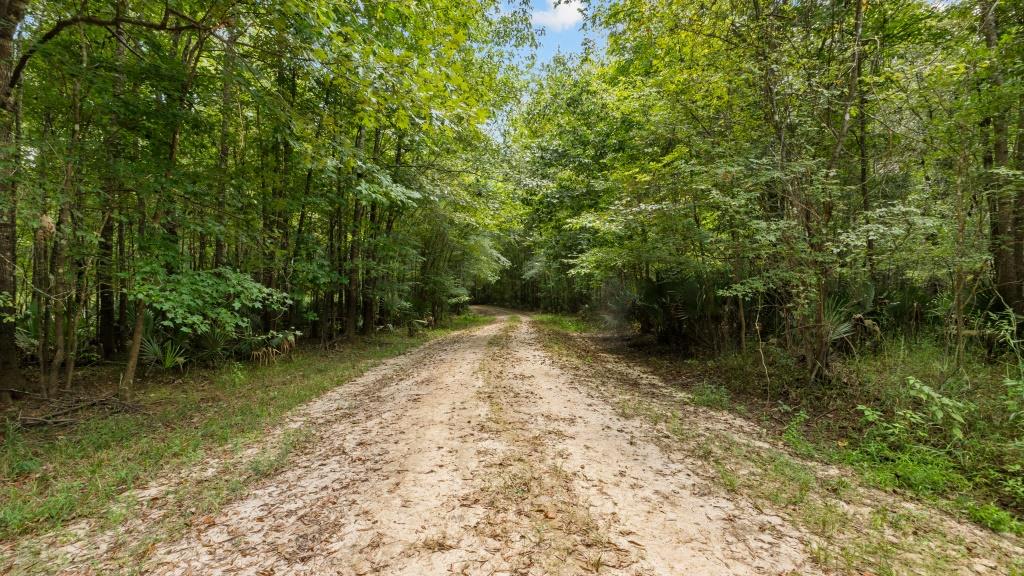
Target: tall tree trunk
(1002, 204)
(862, 174)
(1018, 225)
(76, 316)
(60, 296)
(369, 291)
(352, 288)
(227, 92)
(42, 294)
(41, 291)
(352, 291)
(111, 191)
(106, 319)
(68, 293)
(190, 58)
(369, 274)
(11, 14)
(105, 287)
(122, 291)
(126, 387)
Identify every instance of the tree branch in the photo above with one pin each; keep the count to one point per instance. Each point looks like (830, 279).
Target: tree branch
(163, 25)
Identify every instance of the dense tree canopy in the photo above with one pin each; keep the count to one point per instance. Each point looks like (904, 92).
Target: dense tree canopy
(209, 172)
(775, 169)
(212, 177)
(795, 192)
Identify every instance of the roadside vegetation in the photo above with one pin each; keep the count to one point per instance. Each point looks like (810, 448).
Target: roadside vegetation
(810, 212)
(194, 183)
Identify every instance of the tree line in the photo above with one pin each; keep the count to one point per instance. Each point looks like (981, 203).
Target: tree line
(190, 180)
(796, 173)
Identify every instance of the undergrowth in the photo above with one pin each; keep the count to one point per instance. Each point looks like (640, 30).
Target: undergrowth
(904, 417)
(565, 323)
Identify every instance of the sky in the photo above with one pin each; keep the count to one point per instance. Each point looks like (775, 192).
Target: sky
(561, 26)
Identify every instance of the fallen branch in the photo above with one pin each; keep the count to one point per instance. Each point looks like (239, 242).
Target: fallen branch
(23, 393)
(36, 421)
(52, 416)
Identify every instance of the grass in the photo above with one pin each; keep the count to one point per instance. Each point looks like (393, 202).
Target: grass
(711, 396)
(942, 433)
(51, 476)
(565, 323)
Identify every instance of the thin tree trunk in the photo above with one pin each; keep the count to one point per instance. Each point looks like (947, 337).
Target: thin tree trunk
(352, 291)
(41, 281)
(69, 366)
(190, 57)
(126, 387)
(59, 290)
(1018, 225)
(862, 176)
(112, 186)
(122, 292)
(224, 147)
(104, 285)
(41, 290)
(352, 288)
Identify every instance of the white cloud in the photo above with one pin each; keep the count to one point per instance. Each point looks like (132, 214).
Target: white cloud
(558, 18)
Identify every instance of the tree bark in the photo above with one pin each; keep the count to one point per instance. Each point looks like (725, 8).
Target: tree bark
(1002, 204)
(12, 13)
(1018, 226)
(126, 387)
(104, 285)
(352, 291)
(112, 188)
(59, 292)
(227, 92)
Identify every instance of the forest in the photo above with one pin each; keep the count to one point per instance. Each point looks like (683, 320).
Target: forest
(817, 206)
(197, 180)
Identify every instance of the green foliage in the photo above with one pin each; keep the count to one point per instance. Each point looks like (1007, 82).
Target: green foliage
(563, 322)
(323, 187)
(213, 346)
(167, 354)
(1015, 399)
(935, 417)
(995, 518)
(198, 302)
(793, 435)
(917, 468)
(711, 396)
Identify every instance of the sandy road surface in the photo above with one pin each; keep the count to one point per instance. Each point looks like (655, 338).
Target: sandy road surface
(478, 455)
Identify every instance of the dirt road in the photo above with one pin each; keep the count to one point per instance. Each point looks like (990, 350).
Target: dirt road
(480, 453)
